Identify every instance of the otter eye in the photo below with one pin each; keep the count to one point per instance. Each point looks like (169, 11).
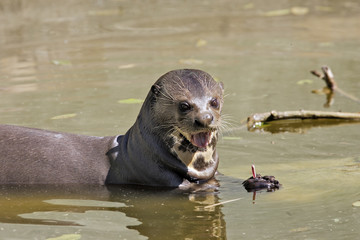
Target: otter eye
(184, 107)
(214, 103)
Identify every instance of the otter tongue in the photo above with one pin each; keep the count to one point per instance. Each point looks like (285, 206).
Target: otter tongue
(201, 139)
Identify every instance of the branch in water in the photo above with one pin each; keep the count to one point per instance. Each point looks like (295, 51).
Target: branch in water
(327, 76)
(329, 79)
(302, 114)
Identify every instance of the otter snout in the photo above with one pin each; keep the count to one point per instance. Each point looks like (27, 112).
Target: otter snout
(203, 120)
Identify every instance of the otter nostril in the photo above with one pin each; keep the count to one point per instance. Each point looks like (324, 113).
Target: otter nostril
(204, 121)
(198, 123)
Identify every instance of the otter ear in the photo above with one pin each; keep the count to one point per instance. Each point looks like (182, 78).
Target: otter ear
(156, 89)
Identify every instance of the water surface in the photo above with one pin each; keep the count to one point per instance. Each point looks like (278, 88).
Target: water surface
(64, 65)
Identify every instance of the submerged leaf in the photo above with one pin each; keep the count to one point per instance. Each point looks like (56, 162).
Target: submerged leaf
(326, 44)
(299, 10)
(304, 81)
(201, 43)
(277, 13)
(126, 66)
(300, 229)
(131, 101)
(66, 237)
(64, 116)
(61, 62)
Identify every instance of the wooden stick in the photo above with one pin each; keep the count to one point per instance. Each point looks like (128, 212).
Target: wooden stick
(302, 114)
(327, 76)
(329, 79)
(253, 171)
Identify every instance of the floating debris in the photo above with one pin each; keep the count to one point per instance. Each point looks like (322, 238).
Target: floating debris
(131, 101)
(304, 81)
(201, 43)
(297, 11)
(326, 44)
(277, 13)
(64, 116)
(61, 62)
(127, 66)
(300, 229)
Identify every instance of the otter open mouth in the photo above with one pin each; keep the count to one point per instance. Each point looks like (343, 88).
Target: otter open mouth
(201, 139)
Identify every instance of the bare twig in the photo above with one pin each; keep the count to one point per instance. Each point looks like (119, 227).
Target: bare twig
(331, 84)
(302, 114)
(327, 76)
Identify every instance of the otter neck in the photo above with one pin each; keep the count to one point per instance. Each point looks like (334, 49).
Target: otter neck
(138, 151)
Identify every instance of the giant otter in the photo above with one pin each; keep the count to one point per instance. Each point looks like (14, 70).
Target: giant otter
(172, 143)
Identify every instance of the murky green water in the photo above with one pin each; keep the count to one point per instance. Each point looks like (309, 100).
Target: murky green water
(77, 59)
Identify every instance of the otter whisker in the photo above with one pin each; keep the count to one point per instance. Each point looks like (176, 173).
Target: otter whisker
(164, 126)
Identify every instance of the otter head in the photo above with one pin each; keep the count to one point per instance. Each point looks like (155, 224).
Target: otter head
(187, 113)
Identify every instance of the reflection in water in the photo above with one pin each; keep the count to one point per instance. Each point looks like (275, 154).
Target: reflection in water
(331, 87)
(155, 213)
(329, 96)
(179, 215)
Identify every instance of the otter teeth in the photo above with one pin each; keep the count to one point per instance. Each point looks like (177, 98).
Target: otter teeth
(201, 139)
